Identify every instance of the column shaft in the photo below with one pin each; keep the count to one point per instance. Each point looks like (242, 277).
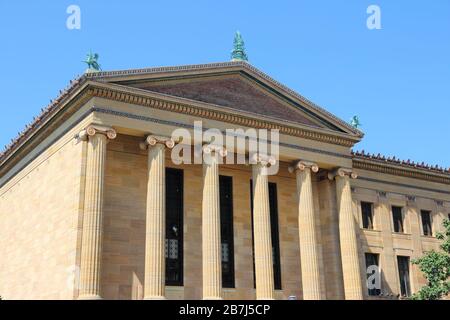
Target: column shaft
(155, 224)
(262, 234)
(348, 240)
(309, 250)
(91, 248)
(211, 243)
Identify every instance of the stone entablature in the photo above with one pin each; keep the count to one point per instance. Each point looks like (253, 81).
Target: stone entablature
(402, 168)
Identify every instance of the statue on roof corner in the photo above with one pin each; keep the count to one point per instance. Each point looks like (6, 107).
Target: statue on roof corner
(238, 53)
(354, 122)
(92, 62)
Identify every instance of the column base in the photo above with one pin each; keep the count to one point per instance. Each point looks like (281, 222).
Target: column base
(155, 298)
(89, 297)
(213, 298)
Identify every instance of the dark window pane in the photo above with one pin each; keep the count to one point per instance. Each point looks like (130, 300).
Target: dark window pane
(174, 227)
(273, 200)
(397, 218)
(273, 203)
(426, 223)
(403, 272)
(226, 230)
(367, 215)
(372, 260)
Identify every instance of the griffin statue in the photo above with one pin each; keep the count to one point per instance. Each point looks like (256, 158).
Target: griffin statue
(354, 122)
(92, 62)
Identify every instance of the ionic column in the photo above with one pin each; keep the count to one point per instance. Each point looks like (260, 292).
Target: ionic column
(309, 251)
(91, 246)
(261, 229)
(347, 235)
(211, 243)
(155, 232)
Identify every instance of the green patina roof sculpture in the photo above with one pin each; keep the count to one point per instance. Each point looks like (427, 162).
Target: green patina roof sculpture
(92, 62)
(354, 122)
(238, 53)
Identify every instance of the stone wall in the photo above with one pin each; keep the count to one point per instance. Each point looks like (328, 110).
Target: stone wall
(39, 223)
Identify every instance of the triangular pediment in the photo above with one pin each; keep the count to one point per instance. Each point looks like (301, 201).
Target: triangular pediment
(232, 91)
(236, 86)
(247, 96)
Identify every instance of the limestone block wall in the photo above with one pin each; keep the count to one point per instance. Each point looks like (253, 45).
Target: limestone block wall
(124, 227)
(39, 223)
(383, 240)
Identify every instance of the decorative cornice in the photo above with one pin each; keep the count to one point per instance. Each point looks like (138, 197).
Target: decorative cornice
(190, 126)
(302, 165)
(393, 160)
(399, 169)
(141, 99)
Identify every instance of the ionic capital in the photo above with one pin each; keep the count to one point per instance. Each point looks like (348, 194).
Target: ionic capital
(94, 129)
(213, 148)
(302, 165)
(153, 140)
(342, 172)
(262, 159)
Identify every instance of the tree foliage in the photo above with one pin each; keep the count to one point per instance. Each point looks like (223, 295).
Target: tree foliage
(435, 266)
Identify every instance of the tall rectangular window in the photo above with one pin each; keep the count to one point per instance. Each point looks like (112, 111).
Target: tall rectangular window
(226, 230)
(397, 216)
(367, 215)
(273, 200)
(373, 280)
(174, 227)
(273, 204)
(426, 223)
(403, 273)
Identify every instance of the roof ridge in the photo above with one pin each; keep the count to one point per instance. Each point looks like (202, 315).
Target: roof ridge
(112, 73)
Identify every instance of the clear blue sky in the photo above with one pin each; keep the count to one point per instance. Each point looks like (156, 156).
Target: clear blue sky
(396, 79)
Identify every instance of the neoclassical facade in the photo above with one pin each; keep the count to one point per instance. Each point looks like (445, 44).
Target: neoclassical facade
(93, 206)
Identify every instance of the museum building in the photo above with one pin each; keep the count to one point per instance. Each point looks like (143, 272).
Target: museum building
(93, 206)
